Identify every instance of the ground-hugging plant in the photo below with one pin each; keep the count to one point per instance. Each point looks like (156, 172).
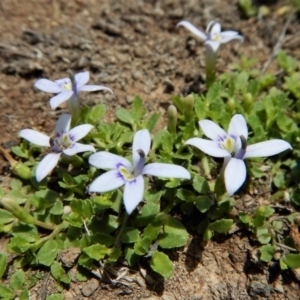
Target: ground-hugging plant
(80, 205)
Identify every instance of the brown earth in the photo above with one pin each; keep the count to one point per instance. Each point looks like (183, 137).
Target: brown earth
(134, 48)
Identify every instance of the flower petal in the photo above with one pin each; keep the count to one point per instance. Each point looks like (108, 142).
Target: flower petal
(81, 79)
(215, 28)
(214, 45)
(63, 124)
(106, 160)
(46, 165)
(77, 148)
(78, 132)
(208, 147)
(166, 170)
(212, 130)
(133, 193)
(229, 35)
(48, 86)
(267, 148)
(238, 126)
(106, 182)
(209, 26)
(35, 137)
(60, 98)
(234, 175)
(64, 82)
(92, 88)
(141, 140)
(193, 29)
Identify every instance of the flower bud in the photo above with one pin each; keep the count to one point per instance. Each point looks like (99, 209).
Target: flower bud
(21, 170)
(172, 119)
(14, 208)
(188, 108)
(247, 103)
(67, 210)
(230, 105)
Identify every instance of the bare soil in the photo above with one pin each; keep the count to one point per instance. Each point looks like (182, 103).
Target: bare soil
(134, 48)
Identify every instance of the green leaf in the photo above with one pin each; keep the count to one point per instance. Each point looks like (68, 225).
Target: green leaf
(85, 261)
(96, 113)
(57, 209)
(103, 239)
(152, 121)
(125, 116)
(147, 214)
(6, 293)
(175, 234)
(114, 255)
(263, 235)
(245, 218)
(6, 217)
(87, 209)
(24, 294)
(292, 260)
(164, 139)
(200, 184)
(207, 235)
(17, 195)
(130, 235)
(221, 226)
(16, 184)
(178, 102)
(3, 264)
(203, 203)
(102, 201)
(152, 230)
(96, 251)
(137, 107)
(131, 257)
(17, 280)
(266, 253)
(59, 273)
(47, 253)
(142, 246)
(108, 224)
(161, 264)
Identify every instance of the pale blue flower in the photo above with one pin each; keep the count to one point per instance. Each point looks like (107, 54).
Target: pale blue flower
(123, 172)
(233, 147)
(66, 89)
(213, 36)
(64, 141)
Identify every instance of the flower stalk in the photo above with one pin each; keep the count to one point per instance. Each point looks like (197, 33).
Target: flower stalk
(210, 65)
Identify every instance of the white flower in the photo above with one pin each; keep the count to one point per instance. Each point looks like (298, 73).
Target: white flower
(66, 89)
(64, 141)
(213, 36)
(233, 147)
(130, 174)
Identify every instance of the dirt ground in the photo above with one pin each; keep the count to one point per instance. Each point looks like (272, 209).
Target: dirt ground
(134, 47)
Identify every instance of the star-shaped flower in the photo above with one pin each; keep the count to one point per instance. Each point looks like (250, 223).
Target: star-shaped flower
(64, 141)
(123, 172)
(213, 36)
(66, 89)
(233, 147)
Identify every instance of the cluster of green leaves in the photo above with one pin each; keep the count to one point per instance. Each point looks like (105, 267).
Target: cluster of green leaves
(97, 225)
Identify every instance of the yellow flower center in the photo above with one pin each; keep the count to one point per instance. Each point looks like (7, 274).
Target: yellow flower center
(228, 144)
(126, 174)
(216, 37)
(67, 86)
